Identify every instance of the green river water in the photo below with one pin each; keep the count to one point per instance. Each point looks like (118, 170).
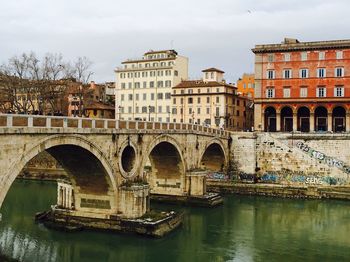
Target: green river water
(243, 229)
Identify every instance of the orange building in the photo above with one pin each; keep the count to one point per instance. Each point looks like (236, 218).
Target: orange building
(302, 86)
(245, 85)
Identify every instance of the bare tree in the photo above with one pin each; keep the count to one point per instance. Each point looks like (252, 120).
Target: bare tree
(82, 69)
(28, 84)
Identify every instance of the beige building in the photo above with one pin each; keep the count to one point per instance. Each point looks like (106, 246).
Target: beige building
(209, 101)
(143, 86)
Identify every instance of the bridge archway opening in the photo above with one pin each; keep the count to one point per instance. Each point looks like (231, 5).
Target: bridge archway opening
(213, 158)
(88, 184)
(128, 158)
(166, 161)
(83, 168)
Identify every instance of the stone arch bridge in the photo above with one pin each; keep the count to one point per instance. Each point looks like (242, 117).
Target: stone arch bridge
(113, 164)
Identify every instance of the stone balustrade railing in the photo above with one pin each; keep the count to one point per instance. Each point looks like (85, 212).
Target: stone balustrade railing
(38, 121)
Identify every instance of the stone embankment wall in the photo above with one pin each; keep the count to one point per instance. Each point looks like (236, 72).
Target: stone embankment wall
(298, 159)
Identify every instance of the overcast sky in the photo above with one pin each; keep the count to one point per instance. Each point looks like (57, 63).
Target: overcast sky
(211, 33)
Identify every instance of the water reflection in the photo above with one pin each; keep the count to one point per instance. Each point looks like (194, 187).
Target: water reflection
(244, 229)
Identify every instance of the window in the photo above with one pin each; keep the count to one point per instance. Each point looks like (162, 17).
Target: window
(122, 97)
(151, 84)
(159, 109)
(174, 101)
(270, 58)
(168, 109)
(123, 85)
(208, 110)
(129, 110)
(339, 91)
(304, 73)
(167, 95)
(321, 91)
(137, 84)
(198, 110)
(339, 54)
(181, 101)
(286, 92)
(321, 72)
(160, 73)
(144, 96)
(137, 110)
(303, 91)
(160, 84)
(339, 72)
(144, 84)
(190, 110)
(130, 85)
(217, 111)
(190, 91)
(130, 97)
(152, 96)
(208, 99)
(137, 97)
(160, 96)
(270, 92)
(144, 109)
(198, 100)
(287, 73)
(174, 111)
(321, 55)
(176, 73)
(270, 75)
(287, 57)
(190, 100)
(167, 83)
(303, 56)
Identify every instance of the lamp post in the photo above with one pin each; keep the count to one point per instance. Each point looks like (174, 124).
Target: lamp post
(120, 112)
(149, 113)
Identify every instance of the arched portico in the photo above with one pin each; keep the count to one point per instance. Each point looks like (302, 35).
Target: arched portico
(338, 119)
(270, 119)
(286, 119)
(303, 118)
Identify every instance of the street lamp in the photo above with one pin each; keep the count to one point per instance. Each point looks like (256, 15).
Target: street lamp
(149, 113)
(120, 112)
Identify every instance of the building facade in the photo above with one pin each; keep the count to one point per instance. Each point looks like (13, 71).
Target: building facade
(302, 86)
(209, 101)
(245, 85)
(143, 86)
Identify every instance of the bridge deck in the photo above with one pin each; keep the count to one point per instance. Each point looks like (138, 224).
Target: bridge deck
(53, 122)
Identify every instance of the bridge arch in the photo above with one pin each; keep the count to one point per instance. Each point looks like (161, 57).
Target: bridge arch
(63, 148)
(167, 168)
(213, 157)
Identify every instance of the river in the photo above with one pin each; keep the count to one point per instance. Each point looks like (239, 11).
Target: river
(243, 229)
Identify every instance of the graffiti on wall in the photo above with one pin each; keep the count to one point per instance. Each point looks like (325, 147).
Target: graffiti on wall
(217, 176)
(299, 177)
(330, 161)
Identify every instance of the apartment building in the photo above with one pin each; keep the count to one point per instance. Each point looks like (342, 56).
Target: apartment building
(209, 101)
(245, 85)
(302, 86)
(143, 85)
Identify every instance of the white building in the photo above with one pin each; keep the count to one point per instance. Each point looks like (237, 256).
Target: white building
(143, 86)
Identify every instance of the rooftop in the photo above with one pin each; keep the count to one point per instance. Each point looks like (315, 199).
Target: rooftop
(213, 69)
(201, 83)
(291, 44)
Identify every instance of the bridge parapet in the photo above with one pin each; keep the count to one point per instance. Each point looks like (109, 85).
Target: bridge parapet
(38, 121)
